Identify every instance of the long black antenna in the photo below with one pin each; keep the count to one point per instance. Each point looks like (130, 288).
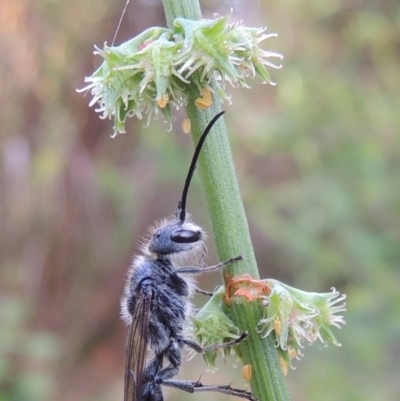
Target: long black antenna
(182, 202)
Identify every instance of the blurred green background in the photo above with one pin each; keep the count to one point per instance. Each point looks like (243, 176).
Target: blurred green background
(318, 161)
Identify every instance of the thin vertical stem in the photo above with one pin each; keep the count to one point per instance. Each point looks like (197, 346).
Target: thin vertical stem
(230, 229)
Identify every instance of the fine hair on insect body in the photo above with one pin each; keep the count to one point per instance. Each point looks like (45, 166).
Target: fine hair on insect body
(156, 304)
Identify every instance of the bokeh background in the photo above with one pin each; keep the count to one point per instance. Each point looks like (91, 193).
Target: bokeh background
(318, 161)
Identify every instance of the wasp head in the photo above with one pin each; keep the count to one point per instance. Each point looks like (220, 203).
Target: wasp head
(175, 236)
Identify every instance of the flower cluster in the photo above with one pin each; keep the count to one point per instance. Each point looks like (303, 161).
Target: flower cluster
(297, 317)
(161, 67)
(212, 326)
(291, 315)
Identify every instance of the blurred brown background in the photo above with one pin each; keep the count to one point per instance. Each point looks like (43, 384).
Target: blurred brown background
(318, 160)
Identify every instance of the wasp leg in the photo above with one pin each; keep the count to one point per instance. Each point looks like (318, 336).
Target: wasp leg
(201, 350)
(201, 270)
(152, 391)
(155, 372)
(196, 386)
(207, 293)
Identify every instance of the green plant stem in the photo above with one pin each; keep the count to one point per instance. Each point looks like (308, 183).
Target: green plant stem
(230, 229)
(232, 238)
(189, 9)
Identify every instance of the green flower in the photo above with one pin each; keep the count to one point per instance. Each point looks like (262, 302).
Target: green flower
(159, 69)
(298, 316)
(211, 325)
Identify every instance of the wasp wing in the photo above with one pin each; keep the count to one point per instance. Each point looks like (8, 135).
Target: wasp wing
(136, 347)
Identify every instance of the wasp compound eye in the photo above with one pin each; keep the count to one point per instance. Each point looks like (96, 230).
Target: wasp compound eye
(185, 236)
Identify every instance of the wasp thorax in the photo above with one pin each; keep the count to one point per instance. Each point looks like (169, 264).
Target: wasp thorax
(175, 237)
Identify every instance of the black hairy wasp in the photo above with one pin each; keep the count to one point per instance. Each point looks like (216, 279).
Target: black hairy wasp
(156, 303)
